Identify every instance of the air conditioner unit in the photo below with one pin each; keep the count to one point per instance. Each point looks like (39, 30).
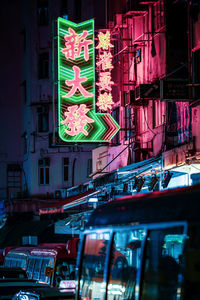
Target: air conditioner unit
(143, 91)
(128, 97)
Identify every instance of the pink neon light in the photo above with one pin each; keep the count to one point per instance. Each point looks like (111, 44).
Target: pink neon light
(74, 44)
(76, 119)
(105, 81)
(112, 127)
(105, 101)
(105, 61)
(104, 41)
(76, 84)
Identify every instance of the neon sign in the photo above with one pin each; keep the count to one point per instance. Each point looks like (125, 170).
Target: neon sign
(104, 65)
(77, 119)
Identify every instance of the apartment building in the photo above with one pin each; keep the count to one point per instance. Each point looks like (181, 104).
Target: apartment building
(151, 93)
(155, 74)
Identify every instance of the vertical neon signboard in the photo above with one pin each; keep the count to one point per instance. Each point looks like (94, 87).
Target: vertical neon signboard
(77, 119)
(104, 65)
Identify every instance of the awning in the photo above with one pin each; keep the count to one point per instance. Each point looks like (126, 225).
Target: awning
(67, 203)
(73, 224)
(117, 178)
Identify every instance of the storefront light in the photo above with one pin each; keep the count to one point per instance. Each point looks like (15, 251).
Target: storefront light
(93, 200)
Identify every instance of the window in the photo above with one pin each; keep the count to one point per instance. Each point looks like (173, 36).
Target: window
(66, 168)
(144, 119)
(30, 267)
(125, 263)
(138, 55)
(42, 12)
(128, 122)
(158, 113)
(163, 269)
(45, 263)
(89, 167)
(43, 118)
(37, 268)
(43, 165)
(43, 65)
(158, 15)
(91, 281)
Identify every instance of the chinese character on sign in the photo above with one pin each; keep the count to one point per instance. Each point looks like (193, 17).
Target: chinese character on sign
(74, 44)
(104, 67)
(105, 101)
(104, 41)
(105, 61)
(76, 84)
(105, 81)
(76, 119)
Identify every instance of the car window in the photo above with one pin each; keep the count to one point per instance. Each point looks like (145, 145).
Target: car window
(30, 267)
(45, 263)
(92, 278)
(163, 275)
(37, 268)
(125, 264)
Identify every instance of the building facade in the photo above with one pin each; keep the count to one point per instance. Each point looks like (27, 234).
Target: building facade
(155, 100)
(152, 93)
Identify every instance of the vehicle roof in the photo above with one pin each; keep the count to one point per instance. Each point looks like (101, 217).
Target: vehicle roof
(9, 287)
(171, 205)
(20, 282)
(11, 269)
(49, 293)
(50, 250)
(22, 249)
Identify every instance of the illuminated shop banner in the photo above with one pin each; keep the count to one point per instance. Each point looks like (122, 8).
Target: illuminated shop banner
(104, 67)
(78, 121)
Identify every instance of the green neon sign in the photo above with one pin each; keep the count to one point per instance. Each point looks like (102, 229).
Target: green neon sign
(77, 119)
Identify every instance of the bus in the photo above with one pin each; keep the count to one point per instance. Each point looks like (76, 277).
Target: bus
(53, 263)
(158, 236)
(16, 257)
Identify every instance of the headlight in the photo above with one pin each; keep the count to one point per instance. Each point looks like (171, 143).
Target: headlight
(26, 296)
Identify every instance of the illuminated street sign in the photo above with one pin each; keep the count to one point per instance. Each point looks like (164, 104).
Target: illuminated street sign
(104, 67)
(77, 119)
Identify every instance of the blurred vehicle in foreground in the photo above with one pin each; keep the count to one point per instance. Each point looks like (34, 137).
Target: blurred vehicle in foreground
(51, 293)
(10, 286)
(48, 263)
(6, 272)
(158, 236)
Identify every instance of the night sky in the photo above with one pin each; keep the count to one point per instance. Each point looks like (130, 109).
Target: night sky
(10, 116)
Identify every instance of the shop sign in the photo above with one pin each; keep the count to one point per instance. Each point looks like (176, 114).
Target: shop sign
(77, 118)
(104, 67)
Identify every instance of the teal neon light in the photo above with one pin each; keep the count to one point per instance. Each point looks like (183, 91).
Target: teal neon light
(77, 119)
